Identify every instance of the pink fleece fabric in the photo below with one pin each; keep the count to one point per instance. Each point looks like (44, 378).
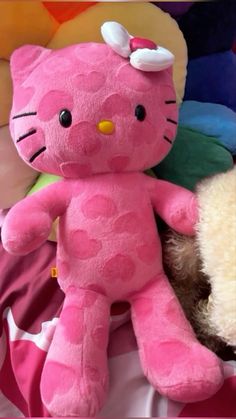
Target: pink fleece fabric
(16, 178)
(108, 244)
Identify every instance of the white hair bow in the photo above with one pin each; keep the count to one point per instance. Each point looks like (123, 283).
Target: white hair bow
(144, 54)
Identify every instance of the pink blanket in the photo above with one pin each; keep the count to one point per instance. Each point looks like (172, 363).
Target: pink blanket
(30, 303)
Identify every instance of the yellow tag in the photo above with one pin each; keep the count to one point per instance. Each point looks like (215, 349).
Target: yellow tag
(54, 272)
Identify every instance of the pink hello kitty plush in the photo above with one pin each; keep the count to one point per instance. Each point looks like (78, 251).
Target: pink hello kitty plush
(99, 115)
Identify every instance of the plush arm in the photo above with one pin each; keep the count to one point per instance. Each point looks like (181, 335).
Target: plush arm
(28, 224)
(177, 206)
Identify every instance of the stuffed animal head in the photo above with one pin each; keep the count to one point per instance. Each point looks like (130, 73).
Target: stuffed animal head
(94, 108)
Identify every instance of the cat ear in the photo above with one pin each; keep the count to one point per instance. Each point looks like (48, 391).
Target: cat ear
(25, 59)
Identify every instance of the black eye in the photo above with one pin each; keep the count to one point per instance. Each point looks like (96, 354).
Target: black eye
(140, 112)
(65, 118)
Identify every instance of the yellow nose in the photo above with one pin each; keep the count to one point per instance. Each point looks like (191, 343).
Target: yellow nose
(106, 127)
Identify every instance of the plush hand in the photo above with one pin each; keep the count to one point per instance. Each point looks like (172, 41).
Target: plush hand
(184, 215)
(25, 228)
(177, 206)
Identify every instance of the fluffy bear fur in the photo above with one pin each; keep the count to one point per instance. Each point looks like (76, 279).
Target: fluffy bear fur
(202, 269)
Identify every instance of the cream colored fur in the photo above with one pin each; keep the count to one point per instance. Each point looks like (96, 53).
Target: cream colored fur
(216, 238)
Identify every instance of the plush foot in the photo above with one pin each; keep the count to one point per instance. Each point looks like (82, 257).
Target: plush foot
(176, 364)
(66, 394)
(181, 372)
(74, 380)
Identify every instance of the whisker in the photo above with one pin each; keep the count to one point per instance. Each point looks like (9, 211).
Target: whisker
(37, 154)
(169, 102)
(167, 139)
(22, 137)
(21, 115)
(172, 121)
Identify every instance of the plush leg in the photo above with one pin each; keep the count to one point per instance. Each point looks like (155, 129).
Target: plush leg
(75, 376)
(177, 365)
